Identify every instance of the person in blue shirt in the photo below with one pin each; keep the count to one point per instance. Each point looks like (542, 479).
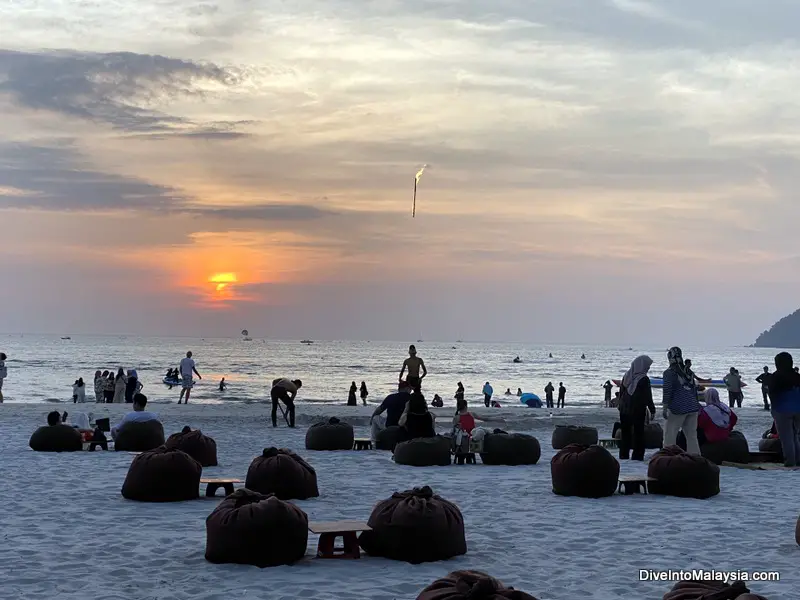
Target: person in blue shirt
(784, 391)
(488, 390)
(680, 402)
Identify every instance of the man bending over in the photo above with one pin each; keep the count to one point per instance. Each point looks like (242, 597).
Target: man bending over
(284, 390)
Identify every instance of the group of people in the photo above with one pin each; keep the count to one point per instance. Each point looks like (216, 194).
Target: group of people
(702, 424)
(362, 391)
(110, 388)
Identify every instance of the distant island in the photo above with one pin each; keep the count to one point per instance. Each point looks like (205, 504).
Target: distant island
(784, 334)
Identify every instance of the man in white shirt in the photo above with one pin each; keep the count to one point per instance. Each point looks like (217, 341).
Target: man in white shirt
(138, 415)
(187, 368)
(284, 390)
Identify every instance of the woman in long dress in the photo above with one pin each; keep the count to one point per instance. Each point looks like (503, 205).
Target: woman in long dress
(119, 387)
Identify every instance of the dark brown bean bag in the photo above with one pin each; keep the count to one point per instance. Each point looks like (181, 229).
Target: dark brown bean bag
(797, 532)
(684, 475)
(584, 471)
(771, 445)
(162, 475)
(734, 449)
(710, 590)
(330, 435)
(200, 447)
(510, 449)
(56, 438)
(470, 585)
(248, 528)
(653, 436)
(139, 436)
(415, 526)
(564, 435)
(388, 438)
(282, 473)
(424, 452)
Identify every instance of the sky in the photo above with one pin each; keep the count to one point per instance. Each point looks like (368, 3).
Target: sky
(604, 171)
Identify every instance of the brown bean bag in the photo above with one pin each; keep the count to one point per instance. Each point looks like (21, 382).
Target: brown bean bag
(415, 526)
(797, 532)
(771, 445)
(512, 449)
(470, 585)
(330, 435)
(653, 436)
(684, 475)
(248, 528)
(388, 438)
(424, 452)
(734, 449)
(584, 471)
(564, 435)
(710, 590)
(139, 436)
(200, 447)
(56, 438)
(162, 475)
(282, 473)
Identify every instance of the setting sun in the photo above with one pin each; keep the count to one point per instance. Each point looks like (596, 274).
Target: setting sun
(223, 280)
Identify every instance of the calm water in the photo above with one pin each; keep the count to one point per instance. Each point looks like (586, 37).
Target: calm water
(43, 368)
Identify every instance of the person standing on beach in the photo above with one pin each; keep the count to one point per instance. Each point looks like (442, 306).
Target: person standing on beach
(99, 386)
(414, 363)
(459, 395)
(351, 396)
(763, 379)
(119, 387)
(608, 386)
(549, 390)
(108, 389)
(697, 379)
(562, 395)
(784, 390)
(3, 373)
(636, 399)
(187, 368)
(733, 381)
(364, 393)
(488, 390)
(284, 390)
(681, 407)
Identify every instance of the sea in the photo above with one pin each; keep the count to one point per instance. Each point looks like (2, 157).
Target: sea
(43, 368)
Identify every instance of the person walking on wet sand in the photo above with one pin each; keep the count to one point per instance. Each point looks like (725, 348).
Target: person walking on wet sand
(364, 393)
(562, 395)
(187, 368)
(413, 363)
(284, 390)
(548, 394)
(488, 391)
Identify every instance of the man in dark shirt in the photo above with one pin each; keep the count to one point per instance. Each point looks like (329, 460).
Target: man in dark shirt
(608, 386)
(763, 379)
(562, 394)
(394, 405)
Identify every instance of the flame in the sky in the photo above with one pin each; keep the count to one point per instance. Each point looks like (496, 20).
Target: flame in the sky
(223, 280)
(420, 172)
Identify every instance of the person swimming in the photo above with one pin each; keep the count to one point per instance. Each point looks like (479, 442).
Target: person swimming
(222, 385)
(519, 391)
(508, 391)
(550, 355)
(583, 357)
(517, 360)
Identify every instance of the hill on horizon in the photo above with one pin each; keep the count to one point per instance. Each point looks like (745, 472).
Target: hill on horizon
(783, 334)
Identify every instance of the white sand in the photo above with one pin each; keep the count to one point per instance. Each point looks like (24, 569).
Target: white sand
(68, 533)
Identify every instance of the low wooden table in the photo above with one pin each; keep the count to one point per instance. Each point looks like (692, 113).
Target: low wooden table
(632, 484)
(362, 444)
(92, 446)
(215, 484)
(330, 530)
(608, 442)
(466, 457)
(765, 457)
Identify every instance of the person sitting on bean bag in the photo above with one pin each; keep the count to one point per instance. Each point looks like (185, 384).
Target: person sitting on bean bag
(771, 433)
(138, 415)
(416, 419)
(715, 420)
(463, 425)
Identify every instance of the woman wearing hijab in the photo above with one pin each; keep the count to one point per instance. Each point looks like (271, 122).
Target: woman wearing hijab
(784, 390)
(680, 402)
(636, 401)
(351, 396)
(715, 420)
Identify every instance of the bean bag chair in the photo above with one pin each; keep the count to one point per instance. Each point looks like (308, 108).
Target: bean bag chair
(162, 475)
(139, 436)
(248, 528)
(797, 532)
(564, 435)
(684, 475)
(584, 471)
(424, 452)
(200, 447)
(330, 435)
(56, 438)
(388, 438)
(510, 449)
(653, 436)
(734, 449)
(470, 585)
(702, 590)
(771, 445)
(283, 474)
(415, 526)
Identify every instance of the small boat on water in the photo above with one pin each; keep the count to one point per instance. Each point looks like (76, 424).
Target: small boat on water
(66, 337)
(306, 342)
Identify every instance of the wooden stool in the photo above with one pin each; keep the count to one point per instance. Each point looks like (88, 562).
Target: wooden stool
(215, 484)
(362, 444)
(608, 442)
(330, 530)
(632, 484)
(468, 458)
(765, 457)
(92, 446)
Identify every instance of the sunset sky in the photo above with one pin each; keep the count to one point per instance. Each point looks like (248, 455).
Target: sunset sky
(600, 171)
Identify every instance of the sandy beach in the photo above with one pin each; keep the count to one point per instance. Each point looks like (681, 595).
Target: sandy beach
(68, 533)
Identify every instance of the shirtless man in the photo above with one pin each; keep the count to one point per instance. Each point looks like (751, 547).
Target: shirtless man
(413, 363)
